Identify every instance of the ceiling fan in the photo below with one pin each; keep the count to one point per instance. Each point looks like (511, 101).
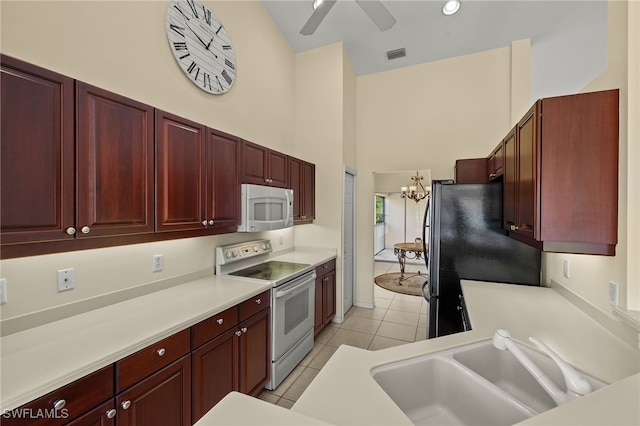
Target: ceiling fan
(373, 8)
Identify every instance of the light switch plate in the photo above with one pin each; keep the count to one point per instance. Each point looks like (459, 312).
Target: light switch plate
(565, 268)
(613, 294)
(66, 279)
(3, 291)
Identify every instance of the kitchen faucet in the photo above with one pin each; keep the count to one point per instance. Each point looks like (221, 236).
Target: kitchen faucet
(577, 385)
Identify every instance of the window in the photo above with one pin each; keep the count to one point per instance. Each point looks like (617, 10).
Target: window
(380, 213)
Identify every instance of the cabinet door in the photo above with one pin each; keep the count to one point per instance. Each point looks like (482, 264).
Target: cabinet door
(255, 359)
(37, 158)
(254, 163)
(278, 169)
(295, 183)
(215, 372)
(163, 398)
(114, 163)
(471, 170)
(104, 415)
(309, 191)
(329, 296)
(526, 170)
(223, 186)
(180, 169)
(319, 306)
(509, 181)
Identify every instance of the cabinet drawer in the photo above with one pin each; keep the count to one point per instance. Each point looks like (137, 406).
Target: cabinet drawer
(214, 326)
(255, 305)
(73, 400)
(325, 267)
(141, 364)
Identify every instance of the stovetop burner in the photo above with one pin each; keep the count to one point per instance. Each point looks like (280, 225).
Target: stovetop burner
(272, 270)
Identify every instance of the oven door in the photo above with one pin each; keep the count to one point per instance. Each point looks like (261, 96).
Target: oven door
(292, 312)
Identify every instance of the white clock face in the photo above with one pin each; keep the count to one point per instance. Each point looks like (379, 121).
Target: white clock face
(201, 45)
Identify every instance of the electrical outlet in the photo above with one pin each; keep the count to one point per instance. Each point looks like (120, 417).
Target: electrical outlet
(613, 294)
(3, 291)
(158, 263)
(565, 268)
(66, 279)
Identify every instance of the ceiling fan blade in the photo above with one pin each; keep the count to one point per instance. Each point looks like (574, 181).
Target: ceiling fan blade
(317, 16)
(378, 13)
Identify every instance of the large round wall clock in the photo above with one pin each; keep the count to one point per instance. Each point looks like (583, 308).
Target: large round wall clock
(201, 45)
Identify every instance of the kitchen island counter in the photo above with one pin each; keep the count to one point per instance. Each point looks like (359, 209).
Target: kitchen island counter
(344, 392)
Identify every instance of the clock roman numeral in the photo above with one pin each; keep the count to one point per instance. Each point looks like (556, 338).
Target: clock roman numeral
(180, 45)
(218, 30)
(192, 5)
(226, 47)
(229, 64)
(207, 15)
(177, 29)
(219, 84)
(227, 77)
(206, 80)
(194, 67)
(181, 12)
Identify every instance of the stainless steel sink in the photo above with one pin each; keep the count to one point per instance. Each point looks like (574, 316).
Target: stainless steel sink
(470, 385)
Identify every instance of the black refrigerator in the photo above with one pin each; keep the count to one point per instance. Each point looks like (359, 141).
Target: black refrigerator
(466, 241)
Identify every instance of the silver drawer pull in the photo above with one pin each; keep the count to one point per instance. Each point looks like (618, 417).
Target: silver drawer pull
(258, 301)
(85, 229)
(220, 321)
(161, 352)
(238, 333)
(211, 222)
(243, 329)
(59, 404)
(111, 413)
(125, 405)
(71, 230)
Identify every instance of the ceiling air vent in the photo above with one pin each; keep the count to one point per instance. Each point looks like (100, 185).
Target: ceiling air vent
(396, 54)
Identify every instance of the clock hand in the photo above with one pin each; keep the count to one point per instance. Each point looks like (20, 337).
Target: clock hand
(206, 46)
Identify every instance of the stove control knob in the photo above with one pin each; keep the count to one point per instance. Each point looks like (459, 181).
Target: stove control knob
(264, 246)
(234, 253)
(228, 254)
(255, 249)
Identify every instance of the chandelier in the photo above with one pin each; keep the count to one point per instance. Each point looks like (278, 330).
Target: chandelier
(416, 191)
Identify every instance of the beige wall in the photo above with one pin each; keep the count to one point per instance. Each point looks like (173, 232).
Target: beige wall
(590, 275)
(324, 135)
(122, 46)
(424, 118)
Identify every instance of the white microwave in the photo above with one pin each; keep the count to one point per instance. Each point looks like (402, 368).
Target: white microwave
(264, 208)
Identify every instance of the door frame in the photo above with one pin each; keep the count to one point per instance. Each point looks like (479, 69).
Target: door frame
(352, 172)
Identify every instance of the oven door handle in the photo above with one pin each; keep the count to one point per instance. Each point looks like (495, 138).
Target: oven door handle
(304, 280)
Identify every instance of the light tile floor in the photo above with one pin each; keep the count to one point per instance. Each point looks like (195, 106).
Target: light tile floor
(397, 319)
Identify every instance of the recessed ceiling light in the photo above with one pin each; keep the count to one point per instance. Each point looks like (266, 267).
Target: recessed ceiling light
(449, 8)
(316, 4)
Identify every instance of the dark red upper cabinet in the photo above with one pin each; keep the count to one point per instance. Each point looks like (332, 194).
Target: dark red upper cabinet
(263, 166)
(37, 158)
(115, 193)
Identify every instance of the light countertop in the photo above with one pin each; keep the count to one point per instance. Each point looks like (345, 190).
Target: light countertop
(41, 359)
(344, 392)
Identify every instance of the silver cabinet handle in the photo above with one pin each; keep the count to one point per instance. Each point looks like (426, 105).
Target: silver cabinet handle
(211, 222)
(243, 329)
(59, 404)
(258, 301)
(220, 321)
(238, 333)
(71, 230)
(204, 223)
(126, 404)
(111, 413)
(492, 175)
(161, 352)
(85, 229)
(513, 228)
